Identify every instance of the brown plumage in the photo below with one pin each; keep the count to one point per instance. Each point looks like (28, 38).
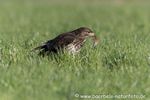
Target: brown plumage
(70, 41)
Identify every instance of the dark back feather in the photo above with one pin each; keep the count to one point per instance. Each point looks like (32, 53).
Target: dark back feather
(63, 40)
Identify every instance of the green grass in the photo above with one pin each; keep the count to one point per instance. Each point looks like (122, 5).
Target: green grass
(119, 65)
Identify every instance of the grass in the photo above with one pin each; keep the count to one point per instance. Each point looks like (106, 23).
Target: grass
(119, 65)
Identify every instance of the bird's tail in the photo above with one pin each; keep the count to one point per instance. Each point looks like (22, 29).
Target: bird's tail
(40, 48)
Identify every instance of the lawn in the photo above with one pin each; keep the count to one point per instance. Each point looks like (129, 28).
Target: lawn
(119, 65)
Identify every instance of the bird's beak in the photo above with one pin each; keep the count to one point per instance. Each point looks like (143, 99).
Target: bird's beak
(95, 40)
(95, 43)
(91, 34)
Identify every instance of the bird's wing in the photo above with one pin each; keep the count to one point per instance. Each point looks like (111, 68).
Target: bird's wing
(64, 40)
(58, 42)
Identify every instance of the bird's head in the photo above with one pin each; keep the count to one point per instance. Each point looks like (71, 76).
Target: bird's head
(84, 32)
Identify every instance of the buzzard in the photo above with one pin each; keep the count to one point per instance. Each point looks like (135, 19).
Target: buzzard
(70, 41)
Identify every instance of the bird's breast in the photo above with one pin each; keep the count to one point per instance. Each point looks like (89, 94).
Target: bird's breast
(75, 47)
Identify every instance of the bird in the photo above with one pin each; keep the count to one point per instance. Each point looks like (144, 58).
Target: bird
(71, 42)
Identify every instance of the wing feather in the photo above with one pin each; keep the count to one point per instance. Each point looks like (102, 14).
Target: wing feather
(64, 40)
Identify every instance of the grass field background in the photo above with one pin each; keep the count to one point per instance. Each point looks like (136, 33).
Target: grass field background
(119, 65)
